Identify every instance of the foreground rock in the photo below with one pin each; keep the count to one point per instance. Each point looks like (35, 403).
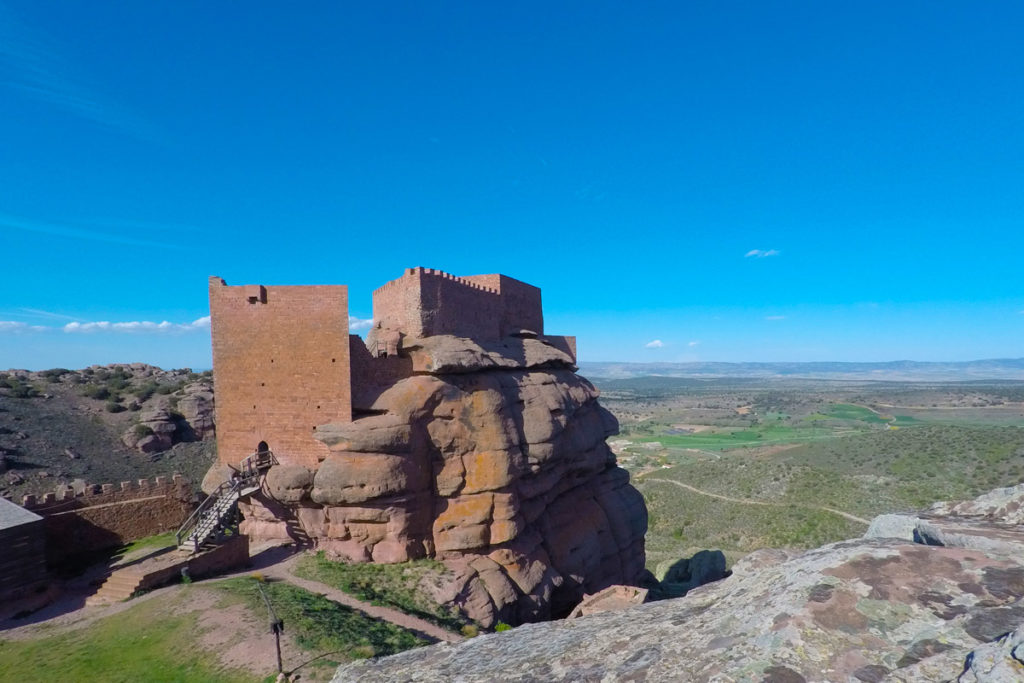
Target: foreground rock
(492, 459)
(871, 609)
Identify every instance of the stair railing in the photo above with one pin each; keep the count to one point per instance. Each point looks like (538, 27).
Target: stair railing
(200, 512)
(250, 470)
(256, 464)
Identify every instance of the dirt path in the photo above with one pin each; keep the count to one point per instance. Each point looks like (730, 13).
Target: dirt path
(283, 572)
(748, 501)
(69, 612)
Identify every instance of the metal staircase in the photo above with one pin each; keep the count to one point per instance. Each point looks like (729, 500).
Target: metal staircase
(217, 516)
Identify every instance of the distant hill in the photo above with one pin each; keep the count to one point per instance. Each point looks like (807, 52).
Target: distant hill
(102, 424)
(899, 370)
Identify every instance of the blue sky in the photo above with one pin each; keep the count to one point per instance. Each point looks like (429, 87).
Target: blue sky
(685, 181)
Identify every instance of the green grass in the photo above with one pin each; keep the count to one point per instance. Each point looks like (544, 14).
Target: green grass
(682, 523)
(399, 586)
(164, 540)
(728, 439)
(146, 643)
(323, 626)
(867, 473)
(848, 411)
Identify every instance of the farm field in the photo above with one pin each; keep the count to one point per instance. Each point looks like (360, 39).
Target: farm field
(741, 465)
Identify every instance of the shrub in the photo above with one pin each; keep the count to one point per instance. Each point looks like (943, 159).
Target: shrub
(167, 389)
(501, 627)
(142, 431)
(117, 383)
(470, 631)
(20, 389)
(115, 407)
(146, 390)
(53, 376)
(96, 391)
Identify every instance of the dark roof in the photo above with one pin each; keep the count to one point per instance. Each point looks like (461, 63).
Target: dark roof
(12, 515)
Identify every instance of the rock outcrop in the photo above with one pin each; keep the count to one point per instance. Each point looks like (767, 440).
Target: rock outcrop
(492, 460)
(159, 427)
(872, 609)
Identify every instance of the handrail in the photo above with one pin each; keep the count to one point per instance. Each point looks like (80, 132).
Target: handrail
(250, 470)
(193, 520)
(252, 465)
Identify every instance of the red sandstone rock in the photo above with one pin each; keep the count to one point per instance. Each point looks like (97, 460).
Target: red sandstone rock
(459, 431)
(289, 483)
(504, 474)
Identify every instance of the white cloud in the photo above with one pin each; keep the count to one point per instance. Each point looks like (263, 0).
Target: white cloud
(355, 323)
(16, 327)
(654, 344)
(693, 343)
(761, 253)
(775, 317)
(138, 326)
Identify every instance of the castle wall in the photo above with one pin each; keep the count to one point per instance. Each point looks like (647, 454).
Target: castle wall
(106, 516)
(425, 302)
(563, 343)
(520, 303)
(455, 306)
(372, 375)
(23, 563)
(397, 305)
(281, 367)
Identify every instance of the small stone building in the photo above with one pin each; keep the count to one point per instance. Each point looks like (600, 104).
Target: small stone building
(23, 560)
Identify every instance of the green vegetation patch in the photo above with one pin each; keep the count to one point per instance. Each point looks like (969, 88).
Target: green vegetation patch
(145, 643)
(865, 474)
(399, 586)
(723, 440)
(681, 523)
(849, 411)
(321, 625)
(164, 540)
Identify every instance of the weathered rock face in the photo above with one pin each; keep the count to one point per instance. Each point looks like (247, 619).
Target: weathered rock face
(494, 461)
(159, 427)
(154, 433)
(872, 609)
(196, 409)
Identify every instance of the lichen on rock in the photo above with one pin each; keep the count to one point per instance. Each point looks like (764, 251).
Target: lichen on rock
(880, 608)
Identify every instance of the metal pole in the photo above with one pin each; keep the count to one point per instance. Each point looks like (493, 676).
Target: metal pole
(276, 627)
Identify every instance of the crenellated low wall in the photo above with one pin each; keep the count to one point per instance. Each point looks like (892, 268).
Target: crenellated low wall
(99, 516)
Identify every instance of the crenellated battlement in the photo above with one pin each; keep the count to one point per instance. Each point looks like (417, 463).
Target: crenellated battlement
(424, 302)
(419, 271)
(282, 354)
(89, 495)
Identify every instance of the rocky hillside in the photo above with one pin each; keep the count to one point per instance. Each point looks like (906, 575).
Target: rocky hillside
(102, 424)
(491, 459)
(937, 597)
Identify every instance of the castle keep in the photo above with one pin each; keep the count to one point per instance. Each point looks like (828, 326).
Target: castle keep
(284, 361)
(458, 430)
